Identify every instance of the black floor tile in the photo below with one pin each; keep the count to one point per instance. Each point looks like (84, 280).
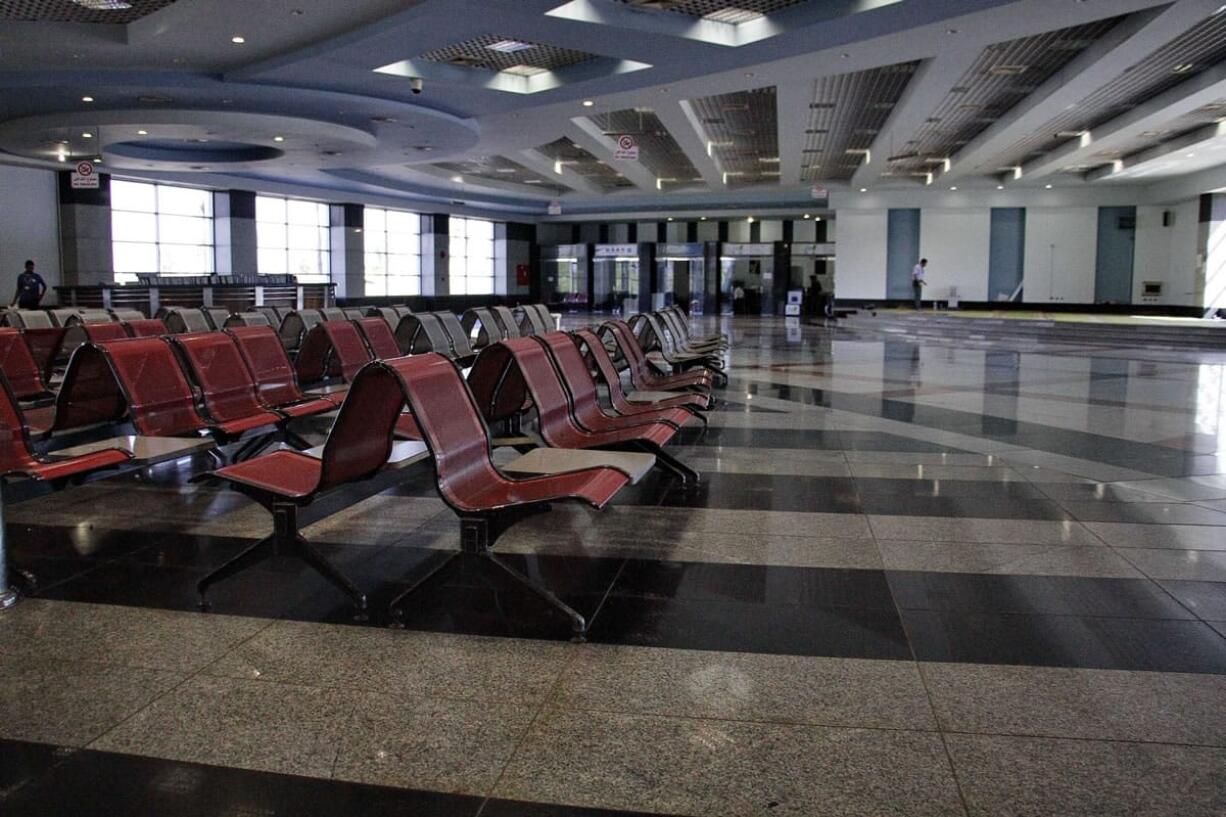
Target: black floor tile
(512, 808)
(745, 627)
(756, 584)
(1206, 599)
(764, 492)
(22, 764)
(101, 784)
(962, 507)
(1066, 641)
(1049, 595)
(982, 490)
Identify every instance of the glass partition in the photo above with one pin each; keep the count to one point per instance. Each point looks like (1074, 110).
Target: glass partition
(615, 277)
(564, 276)
(747, 268)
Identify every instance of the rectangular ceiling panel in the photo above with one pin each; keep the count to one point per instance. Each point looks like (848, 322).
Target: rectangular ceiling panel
(502, 169)
(658, 151)
(742, 134)
(585, 164)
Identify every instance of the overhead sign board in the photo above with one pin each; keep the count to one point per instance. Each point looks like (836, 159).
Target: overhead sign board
(617, 250)
(747, 250)
(627, 149)
(819, 192)
(84, 177)
(555, 208)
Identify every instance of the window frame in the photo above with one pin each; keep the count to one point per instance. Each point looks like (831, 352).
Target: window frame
(161, 217)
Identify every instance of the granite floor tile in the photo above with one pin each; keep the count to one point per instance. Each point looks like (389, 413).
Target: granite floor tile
(1190, 565)
(1041, 777)
(746, 686)
(412, 663)
(409, 741)
(894, 470)
(1175, 537)
(708, 767)
(1188, 489)
(1153, 707)
(71, 703)
(290, 729)
(1205, 599)
(1151, 513)
(936, 529)
(1010, 559)
(120, 636)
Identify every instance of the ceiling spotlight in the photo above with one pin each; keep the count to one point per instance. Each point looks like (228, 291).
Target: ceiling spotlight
(103, 5)
(951, 31)
(1000, 187)
(142, 132)
(87, 99)
(62, 157)
(750, 219)
(819, 218)
(749, 75)
(704, 218)
(955, 187)
(1189, 155)
(808, 216)
(863, 189)
(278, 138)
(1182, 68)
(238, 40)
(1047, 187)
(458, 179)
(670, 218)
(587, 103)
(87, 135)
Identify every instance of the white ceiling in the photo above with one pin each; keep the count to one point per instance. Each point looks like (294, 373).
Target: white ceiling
(845, 94)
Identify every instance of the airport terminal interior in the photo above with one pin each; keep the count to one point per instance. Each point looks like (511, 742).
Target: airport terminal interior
(598, 408)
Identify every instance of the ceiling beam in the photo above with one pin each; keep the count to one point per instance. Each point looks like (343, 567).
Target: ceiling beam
(1202, 89)
(931, 84)
(1133, 166)
(587, 134)
(542, 164)
(792, 100)
(1109, 57)
(682, 124)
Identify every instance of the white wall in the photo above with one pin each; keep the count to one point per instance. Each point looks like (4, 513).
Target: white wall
(29, 226)
(860, 264)
(1061, 251)
(1167, 254)
(956, 244)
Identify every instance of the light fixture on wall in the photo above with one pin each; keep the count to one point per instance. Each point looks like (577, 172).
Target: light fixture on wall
(87, 99)
(238, 39)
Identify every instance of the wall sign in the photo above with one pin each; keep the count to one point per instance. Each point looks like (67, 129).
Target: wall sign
(617, 250)
(627, 149)
(84, 177)
(555, 208)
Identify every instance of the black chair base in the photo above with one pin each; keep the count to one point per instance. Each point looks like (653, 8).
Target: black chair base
(477, 536)
(284, 541)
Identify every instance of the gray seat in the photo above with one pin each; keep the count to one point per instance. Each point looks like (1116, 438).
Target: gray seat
(353, 313)
(460, 346)
(125, 315)
(180, 321)
(295, 326)
(248, 319)
(416, 334)
(333, 313)
(271, 313)
(62, 315)
(510, 326)
(216, 315)
(388, 314)
(29, 319)
(532, 324)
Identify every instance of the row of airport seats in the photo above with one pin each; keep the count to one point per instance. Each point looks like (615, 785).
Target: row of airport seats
(668, 333)
(239, 386)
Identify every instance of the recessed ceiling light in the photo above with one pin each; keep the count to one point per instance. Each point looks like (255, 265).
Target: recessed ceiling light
(863, 189)
(1000, 187)
(458, 179)
(951, 31)
(104, 5)
(509, 46)
(670, 218)
(748, 74)
(587, 103)
(1047, 187)
(1182, 68)
(704, 218)
(278, 138)
(87, 99)
(62, 157)
(87, 135)
(750, 219)
(845, 56)
(807, 215)
(955, 187)
(237, 40)
(1189, 155)
(819, 218)
(142, 132)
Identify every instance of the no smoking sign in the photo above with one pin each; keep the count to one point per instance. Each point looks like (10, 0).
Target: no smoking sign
(84, 177)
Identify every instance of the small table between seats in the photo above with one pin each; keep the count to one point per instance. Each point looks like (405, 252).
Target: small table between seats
(560, 460)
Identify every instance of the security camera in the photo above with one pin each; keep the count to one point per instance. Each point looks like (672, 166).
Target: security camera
(416, 84)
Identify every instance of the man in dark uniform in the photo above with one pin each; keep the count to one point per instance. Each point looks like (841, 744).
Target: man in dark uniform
(30, 288)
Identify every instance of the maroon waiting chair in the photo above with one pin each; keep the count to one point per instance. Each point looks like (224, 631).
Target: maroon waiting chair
(486, 501)
(643, 376)
(146, 328)
(16, 457)
(585, 405)
(102, 332)
(598, 355)
(358, 445)
(507, 372)
(347, 351)
(270, 367)
(379, 338)
(19, 367)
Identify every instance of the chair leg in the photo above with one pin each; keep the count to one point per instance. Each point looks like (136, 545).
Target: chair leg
(329, 571)
(297, 440)
(255, 554)
(670, 463)
(578, 624)
(395, 606)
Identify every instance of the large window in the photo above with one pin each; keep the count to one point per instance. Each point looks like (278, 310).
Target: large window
(393, 252)
(472, 256)
(159, 229)
(292, 238)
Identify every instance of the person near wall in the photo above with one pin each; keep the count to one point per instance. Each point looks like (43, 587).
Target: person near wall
(30, 288)
(918, 283)
(738, 298)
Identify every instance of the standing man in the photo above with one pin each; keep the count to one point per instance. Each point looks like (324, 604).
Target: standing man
(30, 288)
(917, 282)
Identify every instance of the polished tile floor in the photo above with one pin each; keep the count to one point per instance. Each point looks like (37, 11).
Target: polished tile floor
(974, 578)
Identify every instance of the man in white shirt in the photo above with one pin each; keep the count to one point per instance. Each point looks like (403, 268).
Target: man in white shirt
(917, 282)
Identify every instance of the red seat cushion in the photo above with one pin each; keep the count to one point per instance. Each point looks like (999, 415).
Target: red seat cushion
(596, 486)
(78, 465)
(308, 409)
(284, 473)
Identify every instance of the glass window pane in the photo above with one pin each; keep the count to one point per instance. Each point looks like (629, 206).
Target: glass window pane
(304, 263)
(480, 230)
(128, 257)
(480, 267)
(403, 265)
(271, 261)
(302, 212)
(303, 238)
(133, 196)
(184, 230)
(376, 285)
(133, 226)
(403, 243)
(374, 220)
(480, 286)
(269, 208)
(181, 259)
(184, 201)
(402, 222)
(410, 285)
(376, 242)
